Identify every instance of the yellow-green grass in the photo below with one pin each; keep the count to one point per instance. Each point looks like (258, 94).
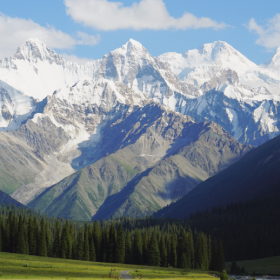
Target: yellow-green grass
(171, 273)
(270, 266)
(15, 266)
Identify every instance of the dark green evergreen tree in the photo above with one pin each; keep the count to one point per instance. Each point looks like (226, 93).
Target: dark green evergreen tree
(154, 254)
(97, 240)
(42, 246)
(56, 242)
(183, 261)
(163, 253)
(80, 246)
(21, 238)
(92, 253)
(112, 244)
(127, 247)
(220, 257)
(173, 251)
(145, 252)
(120, 245)
(137, 247)
(86, 243)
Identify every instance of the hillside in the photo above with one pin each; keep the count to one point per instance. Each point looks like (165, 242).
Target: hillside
(151, 161)
(7, 200)
(255, 175)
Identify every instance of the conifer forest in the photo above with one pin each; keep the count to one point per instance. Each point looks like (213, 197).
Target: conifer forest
(116, 241)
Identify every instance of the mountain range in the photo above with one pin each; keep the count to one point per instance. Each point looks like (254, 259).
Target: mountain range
(128, 133)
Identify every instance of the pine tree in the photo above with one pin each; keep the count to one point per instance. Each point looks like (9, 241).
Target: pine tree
(65, 243)
(127, 247)
(145, 252)
(104, 244)
(25, 229)
(42, 246)
(209, 251)
(48, 240)
(220, 257)
(163, 253)
(190, 250)
(86, 244)
(201, 252)
(154, 254)
(214, 255)
(112, 244)
(173, 251)
(182, 248)
(56, 242)
(21, 242)
(183, 261)
(96, 234)
(80, 245)
(92, 253)
(36, 233)
(137, 247)
(1, 230)
(120, 245)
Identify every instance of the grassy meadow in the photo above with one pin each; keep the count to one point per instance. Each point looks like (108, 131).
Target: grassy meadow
(15, 266)
(269, 266)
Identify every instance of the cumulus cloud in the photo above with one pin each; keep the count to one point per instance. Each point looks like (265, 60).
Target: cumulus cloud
(269, 35)
(15, 31)
(147, 14)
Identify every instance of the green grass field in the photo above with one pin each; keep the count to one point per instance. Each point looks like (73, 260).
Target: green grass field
(269, 266)
(15, 266)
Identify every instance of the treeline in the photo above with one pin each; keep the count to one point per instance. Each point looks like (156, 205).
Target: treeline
(24, 232)
(249, 230)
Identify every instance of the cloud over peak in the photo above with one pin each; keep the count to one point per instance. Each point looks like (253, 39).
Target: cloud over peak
(17, 30)
(147, 14)
(269, 36)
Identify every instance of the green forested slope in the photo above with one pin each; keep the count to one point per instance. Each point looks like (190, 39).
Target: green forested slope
(256, 174)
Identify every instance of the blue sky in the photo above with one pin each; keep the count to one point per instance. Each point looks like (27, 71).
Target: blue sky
(91, 28)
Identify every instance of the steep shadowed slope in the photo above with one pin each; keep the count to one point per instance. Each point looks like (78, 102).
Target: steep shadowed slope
(255, 175)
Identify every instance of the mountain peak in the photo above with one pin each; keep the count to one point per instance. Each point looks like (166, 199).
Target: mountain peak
(34, 49)
(35, 41)
(131, 47)
(217, 52)
(134, 43)
(275, 60)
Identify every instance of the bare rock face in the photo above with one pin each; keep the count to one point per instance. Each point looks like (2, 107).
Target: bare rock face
(148, 157)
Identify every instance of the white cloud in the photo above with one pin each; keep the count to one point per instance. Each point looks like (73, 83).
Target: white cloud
(86, 39)
(269, 36)
(15, 31)
(147, 14)
(74, 58)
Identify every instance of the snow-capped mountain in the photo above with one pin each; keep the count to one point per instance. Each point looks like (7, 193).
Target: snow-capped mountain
(38, 71)
(249, 115)
(200, 65)
(177, 81)
(15, 107)
(64, 116)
